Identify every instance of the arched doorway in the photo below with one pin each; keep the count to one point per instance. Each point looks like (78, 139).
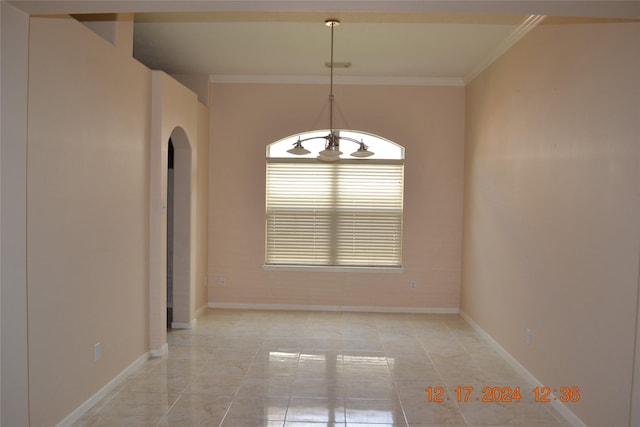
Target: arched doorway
(170, 205)
(173, 117)
(180, 225)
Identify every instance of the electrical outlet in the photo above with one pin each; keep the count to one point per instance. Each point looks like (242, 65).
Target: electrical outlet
(96, 352)
(413, 284)
(223, 282)
(527, 336)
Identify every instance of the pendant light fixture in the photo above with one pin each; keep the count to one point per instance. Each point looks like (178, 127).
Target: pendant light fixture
(331, 152)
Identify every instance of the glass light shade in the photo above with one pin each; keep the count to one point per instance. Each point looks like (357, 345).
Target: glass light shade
(328, 159)
(330, 153)
(298, 149)
(362, 152)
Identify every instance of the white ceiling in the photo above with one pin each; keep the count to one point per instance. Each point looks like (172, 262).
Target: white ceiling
(395, 41)
(429, 47)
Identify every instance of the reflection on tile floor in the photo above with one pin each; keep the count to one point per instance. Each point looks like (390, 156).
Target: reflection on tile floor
(298, 368)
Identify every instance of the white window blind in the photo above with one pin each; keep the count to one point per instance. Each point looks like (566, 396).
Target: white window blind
(347, 213)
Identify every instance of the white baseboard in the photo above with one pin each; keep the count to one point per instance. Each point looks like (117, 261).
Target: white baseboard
(370, 309)
(568, 415)
(193, 322)
(104, 391)
(163, 351)
(184, 325)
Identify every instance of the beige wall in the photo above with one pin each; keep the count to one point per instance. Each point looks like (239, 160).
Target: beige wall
(14, 385)
(427, 121)
(90, 116)
(89, 150)
(552, 209)
(88, 174)
(202, 210)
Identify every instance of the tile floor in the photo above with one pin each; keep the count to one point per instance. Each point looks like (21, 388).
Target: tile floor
(241, 368)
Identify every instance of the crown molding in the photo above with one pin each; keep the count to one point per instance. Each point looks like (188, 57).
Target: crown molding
(523, 29)
(340, 80)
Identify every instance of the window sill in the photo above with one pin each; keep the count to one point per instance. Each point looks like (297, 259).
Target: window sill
(322, 269)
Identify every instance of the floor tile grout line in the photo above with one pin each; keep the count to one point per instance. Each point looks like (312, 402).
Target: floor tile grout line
(395, 388)
(442, 381)
(235, 395)
(166, 414)
(457, 340)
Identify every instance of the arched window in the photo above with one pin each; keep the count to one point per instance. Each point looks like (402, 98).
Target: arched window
(346, 213)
